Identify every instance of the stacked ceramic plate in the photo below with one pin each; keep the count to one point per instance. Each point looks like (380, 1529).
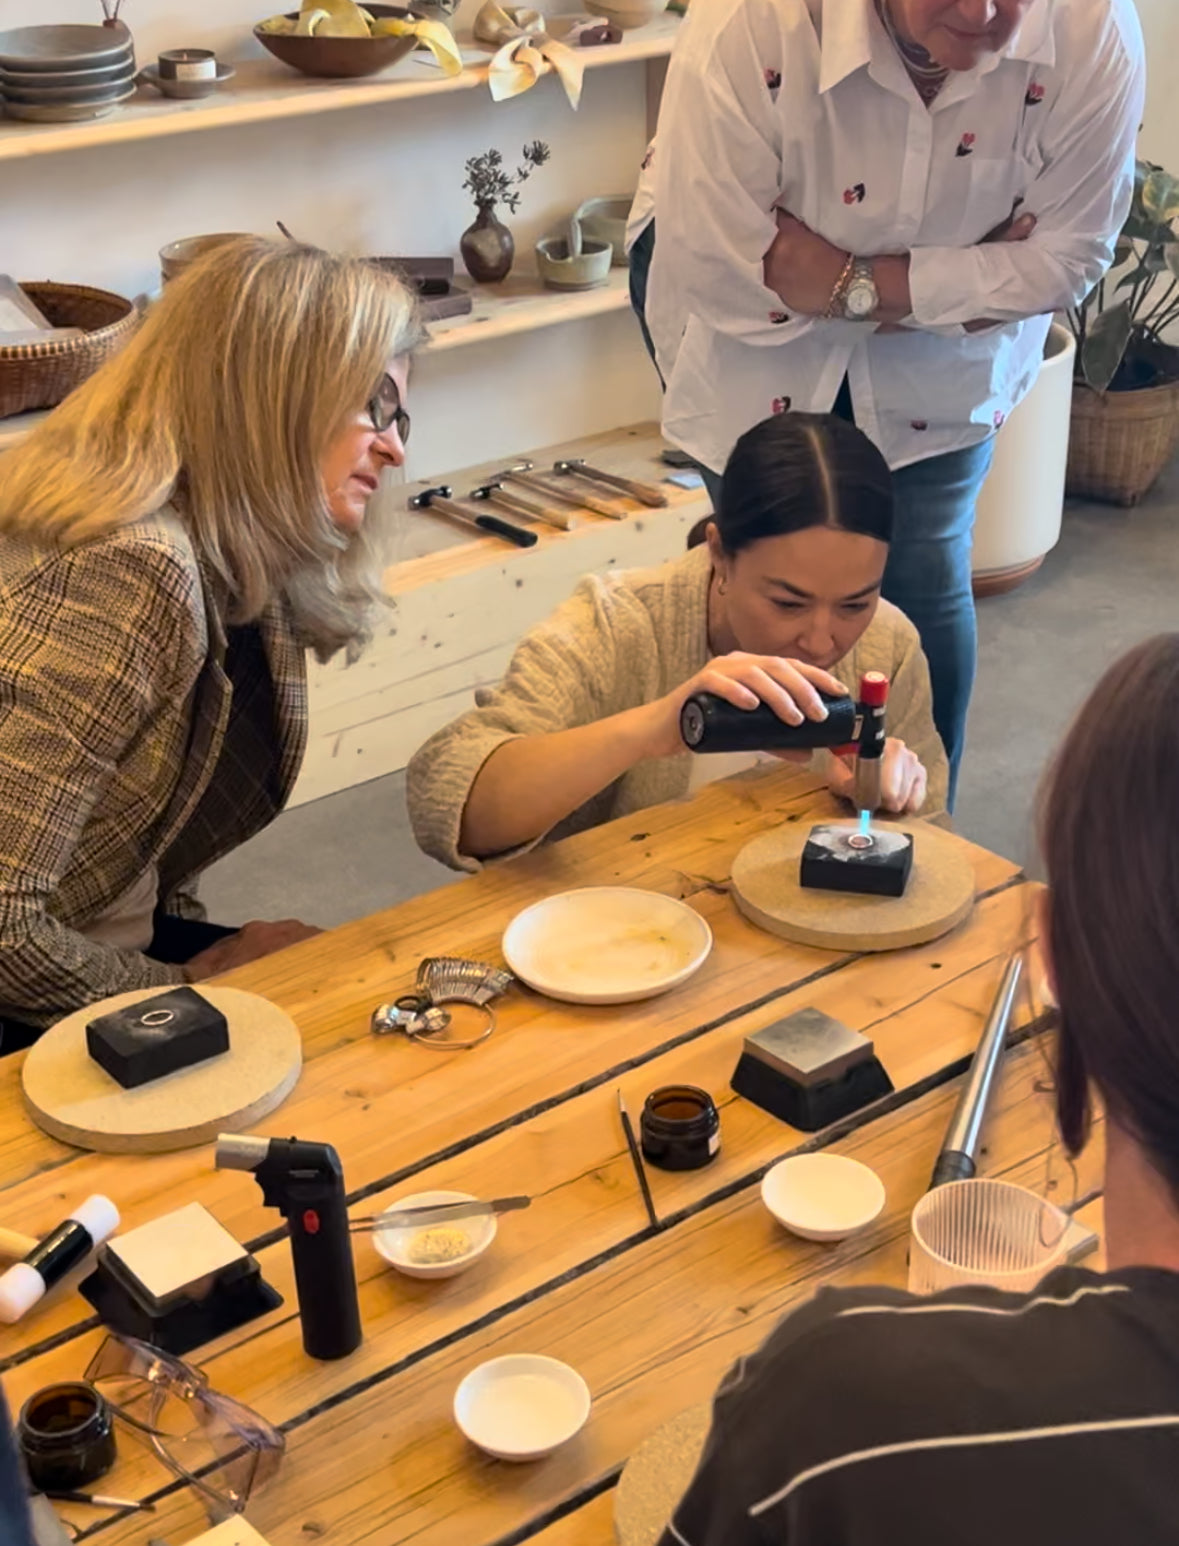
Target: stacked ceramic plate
(65, 74)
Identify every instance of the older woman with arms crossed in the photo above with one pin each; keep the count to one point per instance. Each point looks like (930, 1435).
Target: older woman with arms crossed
(877, 205)
(871, 1417)
(173, 540)
(782, 599)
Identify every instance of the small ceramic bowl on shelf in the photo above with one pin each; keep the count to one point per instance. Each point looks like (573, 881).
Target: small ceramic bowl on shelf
(560, 269)
(630, 13)
(605, 220)
(183, 89)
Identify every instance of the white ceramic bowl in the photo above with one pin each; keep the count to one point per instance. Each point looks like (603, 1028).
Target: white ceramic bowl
(522, 1406)
(393, 1244)
(630, 13)
(606, 945)
(823, 1196)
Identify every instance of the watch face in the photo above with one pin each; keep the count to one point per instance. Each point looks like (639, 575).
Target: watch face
(861, 299)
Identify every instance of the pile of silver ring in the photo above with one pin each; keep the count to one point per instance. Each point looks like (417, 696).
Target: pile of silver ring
(423, 1017)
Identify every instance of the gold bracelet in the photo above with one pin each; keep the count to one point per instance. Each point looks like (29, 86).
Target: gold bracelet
(845, 274)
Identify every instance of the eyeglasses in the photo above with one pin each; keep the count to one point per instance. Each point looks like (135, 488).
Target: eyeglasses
(385, 409)
(220, 1448)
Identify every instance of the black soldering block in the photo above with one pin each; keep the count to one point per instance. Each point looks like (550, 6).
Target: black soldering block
(810, 1070)
(157, 1036)
(840, 858)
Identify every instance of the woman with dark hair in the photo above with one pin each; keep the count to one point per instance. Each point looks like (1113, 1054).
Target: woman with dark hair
(1043, 1419)
(782, 598)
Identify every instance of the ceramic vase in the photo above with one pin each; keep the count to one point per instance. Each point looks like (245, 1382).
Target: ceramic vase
(487, 247)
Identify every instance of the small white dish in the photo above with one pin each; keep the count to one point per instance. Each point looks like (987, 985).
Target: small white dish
(823, 1196)
(395, 1244)
(522, 1406)
(187, 90)
(606, 945)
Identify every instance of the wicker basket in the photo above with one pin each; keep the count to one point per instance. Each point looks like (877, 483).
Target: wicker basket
(36, 375)
(1121, 441)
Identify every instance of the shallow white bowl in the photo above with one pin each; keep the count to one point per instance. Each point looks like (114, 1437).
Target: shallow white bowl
(522, 1406)
(393, 1244)
(823, 1196)
(606, 945)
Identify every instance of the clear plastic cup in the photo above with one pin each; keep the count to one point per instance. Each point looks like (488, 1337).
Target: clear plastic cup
(984, 1232)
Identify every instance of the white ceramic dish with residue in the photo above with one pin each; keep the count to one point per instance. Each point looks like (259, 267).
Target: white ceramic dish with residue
(395, 1244)
(606, 945)
(823, 1196)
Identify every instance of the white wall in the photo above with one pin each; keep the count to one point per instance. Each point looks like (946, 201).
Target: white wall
(1160, 134)
(385, 179)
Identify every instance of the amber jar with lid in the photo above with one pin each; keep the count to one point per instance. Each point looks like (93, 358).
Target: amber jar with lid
(680, 1127)
(66, 1434)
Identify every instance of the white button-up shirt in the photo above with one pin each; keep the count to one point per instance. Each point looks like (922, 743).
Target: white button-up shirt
(805, 105)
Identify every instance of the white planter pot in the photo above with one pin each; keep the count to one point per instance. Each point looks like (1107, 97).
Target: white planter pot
(1019, 509)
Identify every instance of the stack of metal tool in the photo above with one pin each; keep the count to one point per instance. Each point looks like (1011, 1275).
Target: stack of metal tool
(554, 498)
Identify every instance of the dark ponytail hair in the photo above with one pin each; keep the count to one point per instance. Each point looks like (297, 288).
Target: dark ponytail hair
(799, 470)
(1111, 843)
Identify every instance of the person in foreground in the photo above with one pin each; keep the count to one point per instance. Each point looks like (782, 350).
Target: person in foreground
(781, 599)
(976, 1416)
(172, 540)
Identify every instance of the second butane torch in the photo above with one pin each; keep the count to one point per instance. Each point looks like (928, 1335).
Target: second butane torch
(709, 723)
(305, 1182)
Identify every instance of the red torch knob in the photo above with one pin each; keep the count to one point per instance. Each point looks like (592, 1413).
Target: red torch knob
(874, 689)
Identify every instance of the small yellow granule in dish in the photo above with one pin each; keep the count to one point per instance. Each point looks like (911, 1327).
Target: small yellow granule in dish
(444, 1243)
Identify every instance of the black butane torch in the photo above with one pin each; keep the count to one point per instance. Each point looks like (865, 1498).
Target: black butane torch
(305, 1182)
(712, 724)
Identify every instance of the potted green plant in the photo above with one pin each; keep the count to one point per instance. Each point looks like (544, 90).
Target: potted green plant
(487, 246)
(1125, 419)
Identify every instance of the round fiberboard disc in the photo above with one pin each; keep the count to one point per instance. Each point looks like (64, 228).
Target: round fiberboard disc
(939, 895)
(70, 1097)
(656, 1477)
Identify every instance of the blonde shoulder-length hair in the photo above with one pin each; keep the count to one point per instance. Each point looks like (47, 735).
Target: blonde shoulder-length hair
(224, 403)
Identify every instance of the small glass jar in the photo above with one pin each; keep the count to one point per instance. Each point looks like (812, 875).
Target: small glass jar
(680, 1128)
(67, 1436)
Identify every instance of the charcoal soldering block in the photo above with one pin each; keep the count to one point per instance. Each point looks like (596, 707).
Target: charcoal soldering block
(832, 861)
(157, 1036)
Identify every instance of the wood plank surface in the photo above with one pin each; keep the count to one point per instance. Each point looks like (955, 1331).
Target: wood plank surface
(650, 1318)
(651, 1329)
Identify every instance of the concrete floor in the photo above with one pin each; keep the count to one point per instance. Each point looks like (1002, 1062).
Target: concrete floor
(1114, 579)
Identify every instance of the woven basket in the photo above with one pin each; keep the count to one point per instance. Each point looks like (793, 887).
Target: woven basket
(1121, 441)
(36, 375)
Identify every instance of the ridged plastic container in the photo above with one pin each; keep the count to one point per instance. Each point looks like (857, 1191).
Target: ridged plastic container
(984, 1233)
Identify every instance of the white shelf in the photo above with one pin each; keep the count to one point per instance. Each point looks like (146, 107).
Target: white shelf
(520, 304)
(265, 90)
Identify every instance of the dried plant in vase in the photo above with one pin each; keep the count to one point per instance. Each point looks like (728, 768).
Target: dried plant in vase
(487, 246)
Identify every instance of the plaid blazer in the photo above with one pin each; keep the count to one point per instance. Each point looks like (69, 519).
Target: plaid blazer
(124, 744)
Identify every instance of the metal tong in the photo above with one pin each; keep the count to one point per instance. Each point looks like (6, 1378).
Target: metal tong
(646, 493)
(503, 499)
(439, 499)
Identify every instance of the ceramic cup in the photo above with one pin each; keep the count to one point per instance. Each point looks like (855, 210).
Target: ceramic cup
(188, 64)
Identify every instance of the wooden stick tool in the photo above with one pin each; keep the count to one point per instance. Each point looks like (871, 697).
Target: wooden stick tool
(503, 499)
(15, 1246)
(439, 499)
(646, 493)
(522, 472)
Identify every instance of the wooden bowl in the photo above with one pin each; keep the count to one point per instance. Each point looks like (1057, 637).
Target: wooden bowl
(340, 57)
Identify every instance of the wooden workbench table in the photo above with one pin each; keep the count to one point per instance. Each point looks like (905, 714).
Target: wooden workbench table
(651, 1319)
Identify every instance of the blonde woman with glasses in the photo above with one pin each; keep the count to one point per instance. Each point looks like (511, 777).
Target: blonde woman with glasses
(173, 539)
